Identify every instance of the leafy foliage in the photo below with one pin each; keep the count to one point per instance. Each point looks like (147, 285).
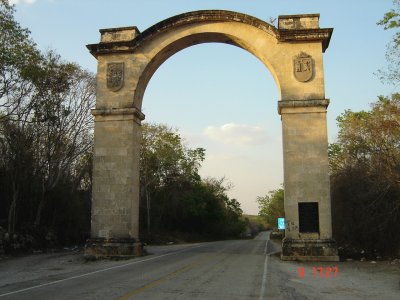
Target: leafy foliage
(365, 167)
(271, 207)
(391, 21)
(19, 61)
(174, 198)
(45, 142)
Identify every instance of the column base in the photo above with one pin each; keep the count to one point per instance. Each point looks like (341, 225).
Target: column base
(113, 248)
(309, 250)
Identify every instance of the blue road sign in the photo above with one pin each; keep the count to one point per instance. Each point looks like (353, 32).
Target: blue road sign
(281, 223)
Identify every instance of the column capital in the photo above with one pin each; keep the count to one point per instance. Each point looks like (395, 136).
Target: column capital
(302, 103)
(118, 114)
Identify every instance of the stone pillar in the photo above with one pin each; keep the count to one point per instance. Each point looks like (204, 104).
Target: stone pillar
(308, 232)
(115, 192)
(117, 134)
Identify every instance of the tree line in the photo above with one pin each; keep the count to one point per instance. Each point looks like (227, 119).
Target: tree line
(365, 166)
(46, 141)
(46, 146)
(175, 202)
(365, 178)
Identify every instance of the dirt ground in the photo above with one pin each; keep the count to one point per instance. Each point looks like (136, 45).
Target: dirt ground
(353, 280)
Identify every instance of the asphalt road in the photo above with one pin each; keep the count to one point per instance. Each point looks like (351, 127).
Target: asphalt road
(217, 270)
(239, 269)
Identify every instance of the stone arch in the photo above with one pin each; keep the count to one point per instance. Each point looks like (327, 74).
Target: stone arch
(158, 43)
(127, 59)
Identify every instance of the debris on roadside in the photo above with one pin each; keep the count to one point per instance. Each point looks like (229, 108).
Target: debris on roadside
(395, 261)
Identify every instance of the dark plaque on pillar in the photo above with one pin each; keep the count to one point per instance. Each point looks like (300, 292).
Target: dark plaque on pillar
(308, 217)
(303, 67)
(115, 76)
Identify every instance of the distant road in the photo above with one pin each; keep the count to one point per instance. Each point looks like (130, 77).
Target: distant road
(238, 269)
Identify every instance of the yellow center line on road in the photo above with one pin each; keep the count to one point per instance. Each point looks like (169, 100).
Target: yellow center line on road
(167, 277)
(156, 282)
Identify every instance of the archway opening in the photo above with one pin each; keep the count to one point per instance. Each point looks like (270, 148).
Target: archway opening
(223, 99)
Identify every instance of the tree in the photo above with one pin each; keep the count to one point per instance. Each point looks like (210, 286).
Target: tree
(19, 60)
(234, 216)
(62, 119)
(271, 206)
(391, 20)
(46, 138)
(19, 65)
(164, 161)
(16, 164)
(164, 156)
(370, 138)
(174, 198)
(227, 216)
(365, 176)
(47, 144)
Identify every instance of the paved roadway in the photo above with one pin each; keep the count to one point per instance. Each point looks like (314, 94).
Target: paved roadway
(218, 270)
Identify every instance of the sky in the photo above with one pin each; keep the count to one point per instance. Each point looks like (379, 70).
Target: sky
(218, 96)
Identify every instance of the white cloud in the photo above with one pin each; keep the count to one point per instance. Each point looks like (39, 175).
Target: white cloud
(193, 139)
(237, 134)
(22, 1)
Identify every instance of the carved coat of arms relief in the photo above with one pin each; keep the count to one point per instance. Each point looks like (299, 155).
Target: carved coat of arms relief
(303, 67)
(115, 76)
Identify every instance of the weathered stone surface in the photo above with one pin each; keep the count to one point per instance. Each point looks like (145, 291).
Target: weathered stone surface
(309, 250)
(293, 22)
(121, 34)
(101, 247)
(302, 105)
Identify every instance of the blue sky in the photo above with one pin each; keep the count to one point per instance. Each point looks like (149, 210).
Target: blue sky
(220, 97)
